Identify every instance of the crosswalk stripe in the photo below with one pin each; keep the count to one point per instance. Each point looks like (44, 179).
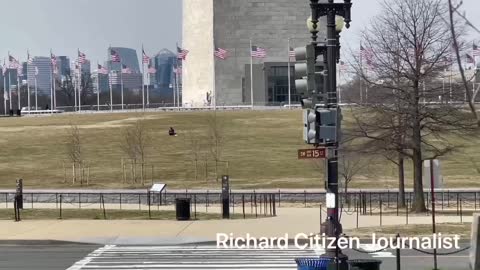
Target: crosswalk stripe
(191, 257)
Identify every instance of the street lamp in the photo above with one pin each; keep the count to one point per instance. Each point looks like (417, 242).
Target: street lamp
(337, 16)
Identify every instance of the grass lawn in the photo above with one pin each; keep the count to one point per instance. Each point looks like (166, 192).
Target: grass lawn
(260, 147)
(43, 214)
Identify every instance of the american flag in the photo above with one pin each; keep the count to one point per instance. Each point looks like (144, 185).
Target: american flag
(53, 58)
(12, 62)
(182, 53)
(114, 56)
(19, 70)
(152, 70)
(366, 54)
(126, 70)
(470, 59)
(29, 58)
(102, 70)
(36, 71)
(81, 57)
(476, 50)
(291, 54)
(221, 53)
(343, 66)
(258, 52)
(146, 59)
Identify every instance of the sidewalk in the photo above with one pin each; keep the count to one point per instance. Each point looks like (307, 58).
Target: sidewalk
(289, 221)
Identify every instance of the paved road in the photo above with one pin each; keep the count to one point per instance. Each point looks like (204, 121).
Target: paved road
(78, 257)
(208, 257)
(41, 257)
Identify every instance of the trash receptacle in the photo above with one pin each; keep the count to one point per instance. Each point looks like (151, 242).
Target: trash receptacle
(182, 207)
(365, 264)
(313, 263)
(19, 113)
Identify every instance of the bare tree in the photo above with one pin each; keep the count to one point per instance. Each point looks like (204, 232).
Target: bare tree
(471, 96)
(216, 138)
(75, 153)
(135, 144)
(408, 43)
(193, 142)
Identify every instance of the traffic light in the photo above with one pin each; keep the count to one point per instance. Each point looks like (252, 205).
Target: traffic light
(321, 125)
(310, 118)
(305, 74)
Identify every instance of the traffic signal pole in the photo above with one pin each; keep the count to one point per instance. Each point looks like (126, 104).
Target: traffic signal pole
(332, 226)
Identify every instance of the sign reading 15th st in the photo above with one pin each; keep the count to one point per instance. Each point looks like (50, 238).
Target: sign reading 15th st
(311, 153)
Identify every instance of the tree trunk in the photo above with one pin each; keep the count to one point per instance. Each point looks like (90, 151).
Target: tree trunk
(401, 182)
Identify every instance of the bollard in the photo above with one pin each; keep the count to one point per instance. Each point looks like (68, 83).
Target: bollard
(380, 206)
(461, 212)
(61, 199)
(103, 206)
(243, 205)
(398, 259)
(149, 211)
(195, 205)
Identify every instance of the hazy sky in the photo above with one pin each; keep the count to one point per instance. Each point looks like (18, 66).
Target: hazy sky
(91, 25)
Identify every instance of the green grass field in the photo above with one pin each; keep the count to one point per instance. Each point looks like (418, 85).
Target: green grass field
(260, 147)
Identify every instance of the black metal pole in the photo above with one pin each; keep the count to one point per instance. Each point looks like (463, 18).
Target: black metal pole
(434, 229)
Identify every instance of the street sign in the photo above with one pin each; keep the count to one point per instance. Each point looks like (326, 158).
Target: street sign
(311, 153)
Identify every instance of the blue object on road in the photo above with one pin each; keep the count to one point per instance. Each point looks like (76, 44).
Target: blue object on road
(313, 263)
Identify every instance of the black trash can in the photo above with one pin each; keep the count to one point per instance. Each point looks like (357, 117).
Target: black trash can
(365, 264)
(19, 113)
(182, 207)
(10, 112)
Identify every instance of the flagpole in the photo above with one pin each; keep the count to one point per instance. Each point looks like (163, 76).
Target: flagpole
(10, 90)
(51, 85)
(214, 78)
(79, 87)
(175, 87)
(111, 92)
(178, 88)
(18, 88)
(251, 73)
(361, 69)
(4, 88)
(28, 84)
(121, 80)
(339, 92)
(75, 85)
(148, 90)
(98, 88)
(289, 81)
(36, 93)
(143, 81)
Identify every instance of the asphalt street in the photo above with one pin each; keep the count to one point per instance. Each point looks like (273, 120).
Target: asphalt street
(42, 257)
(77, 257)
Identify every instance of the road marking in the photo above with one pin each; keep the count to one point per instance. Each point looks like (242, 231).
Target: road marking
(380, 254)
(191, 257)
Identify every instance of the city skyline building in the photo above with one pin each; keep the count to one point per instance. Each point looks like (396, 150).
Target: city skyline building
(164, 62)
(44, 79)
(128, 57)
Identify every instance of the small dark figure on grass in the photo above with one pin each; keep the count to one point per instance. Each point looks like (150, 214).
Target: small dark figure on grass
(172, 132)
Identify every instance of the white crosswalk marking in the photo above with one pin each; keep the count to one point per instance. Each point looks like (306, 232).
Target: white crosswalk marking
(191, 257)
